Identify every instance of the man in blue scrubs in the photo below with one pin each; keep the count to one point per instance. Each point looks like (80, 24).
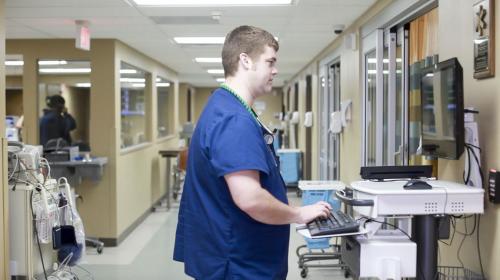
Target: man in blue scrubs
(234, 215)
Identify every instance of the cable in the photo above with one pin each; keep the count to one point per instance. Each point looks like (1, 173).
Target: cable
(478, 247)
(15, 167)
(36, 234)
(478, 165)
(466, 179)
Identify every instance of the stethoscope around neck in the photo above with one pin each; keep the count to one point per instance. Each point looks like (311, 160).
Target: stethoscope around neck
(268, 134)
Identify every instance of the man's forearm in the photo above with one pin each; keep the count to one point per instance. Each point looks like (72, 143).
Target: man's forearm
(265, 208)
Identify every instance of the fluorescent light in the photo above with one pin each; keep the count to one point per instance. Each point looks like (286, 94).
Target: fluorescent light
(84, 85)
(215, 71)
(132, 80)
(162, 84)
(205, 3)
(158, 79)
(64, 70)
(52, 62)
(14, 63)
(128, 71)
(138, 85)
(200, 40)
(220, 80)
(208, 59)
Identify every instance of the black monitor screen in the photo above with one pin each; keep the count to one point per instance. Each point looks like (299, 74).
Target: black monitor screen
(442, 110)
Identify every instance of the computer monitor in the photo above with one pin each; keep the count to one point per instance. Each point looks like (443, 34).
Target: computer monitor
(443, 109)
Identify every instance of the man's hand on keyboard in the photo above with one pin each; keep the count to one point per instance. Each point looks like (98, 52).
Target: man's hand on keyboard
(308, 213)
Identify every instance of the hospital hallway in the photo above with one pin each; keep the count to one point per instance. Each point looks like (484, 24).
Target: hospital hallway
(147, 253)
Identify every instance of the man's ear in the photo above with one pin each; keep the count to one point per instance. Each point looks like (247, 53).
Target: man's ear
(246, 61)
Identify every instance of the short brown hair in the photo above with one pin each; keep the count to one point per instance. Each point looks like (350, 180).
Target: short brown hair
(245, 39)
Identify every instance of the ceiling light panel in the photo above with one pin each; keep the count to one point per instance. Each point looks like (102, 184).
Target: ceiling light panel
(215, 71)
(208, 60)
(64, 70)
(200, 40)
(172, 20)
(211, 3)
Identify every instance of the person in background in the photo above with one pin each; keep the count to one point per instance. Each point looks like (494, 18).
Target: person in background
(234, 215)
(56, 121)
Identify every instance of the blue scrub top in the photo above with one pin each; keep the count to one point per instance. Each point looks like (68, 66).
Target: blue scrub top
(215, 239)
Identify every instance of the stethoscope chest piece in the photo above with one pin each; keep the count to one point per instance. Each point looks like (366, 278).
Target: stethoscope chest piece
(268, 138)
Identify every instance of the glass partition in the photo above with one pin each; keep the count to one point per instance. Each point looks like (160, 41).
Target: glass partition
(133, 105)
(371, 114)
(164, 90)
(64, 103)
(13, 97)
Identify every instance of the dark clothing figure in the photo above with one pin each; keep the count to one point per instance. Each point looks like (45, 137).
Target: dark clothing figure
(55, 125)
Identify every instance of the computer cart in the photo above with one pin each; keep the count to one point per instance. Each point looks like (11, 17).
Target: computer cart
(319, 253)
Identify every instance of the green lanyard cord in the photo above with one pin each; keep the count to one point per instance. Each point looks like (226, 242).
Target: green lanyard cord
(249, 109)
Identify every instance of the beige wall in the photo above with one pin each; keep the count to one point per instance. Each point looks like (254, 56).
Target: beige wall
(183, 111)
(455, 40)
(272, 101)
(201, 98)
(140, 171)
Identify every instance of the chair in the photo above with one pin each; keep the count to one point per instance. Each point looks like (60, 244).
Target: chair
(179, 172)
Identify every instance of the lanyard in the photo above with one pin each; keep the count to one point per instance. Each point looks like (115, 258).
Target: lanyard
(251, 111)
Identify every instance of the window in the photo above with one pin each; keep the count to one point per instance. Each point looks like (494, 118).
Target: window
(164, 110)
(133, 83)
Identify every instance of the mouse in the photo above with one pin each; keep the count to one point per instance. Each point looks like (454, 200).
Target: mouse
(417, 185)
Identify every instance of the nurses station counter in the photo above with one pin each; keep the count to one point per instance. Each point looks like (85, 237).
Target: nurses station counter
(77, 170)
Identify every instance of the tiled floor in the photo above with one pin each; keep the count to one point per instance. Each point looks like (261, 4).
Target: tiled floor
(147, 254)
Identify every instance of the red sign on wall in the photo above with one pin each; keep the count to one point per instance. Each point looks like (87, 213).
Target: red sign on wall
(82, 35)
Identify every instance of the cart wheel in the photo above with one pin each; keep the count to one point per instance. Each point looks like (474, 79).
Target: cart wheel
(347, 274)
(303, 273)
(299, 192)
(99, 250)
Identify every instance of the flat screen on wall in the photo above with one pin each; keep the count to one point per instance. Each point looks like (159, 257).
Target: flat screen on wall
(443, 109)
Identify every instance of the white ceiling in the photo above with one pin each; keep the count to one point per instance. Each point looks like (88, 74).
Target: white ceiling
(303, 29)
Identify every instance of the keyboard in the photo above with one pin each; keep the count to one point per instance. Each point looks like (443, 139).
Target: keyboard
(337, 222)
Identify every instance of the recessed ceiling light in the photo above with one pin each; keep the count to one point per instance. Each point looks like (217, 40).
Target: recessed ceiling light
(205, 3)
(128, 71)
(162, 84)
(139, 85)
(220, 80)
(14, 63)
(64, 70)
(208, 59)
(133, 80)
(85, 85)
(215, 71)
(52, 62)
(200, 40)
